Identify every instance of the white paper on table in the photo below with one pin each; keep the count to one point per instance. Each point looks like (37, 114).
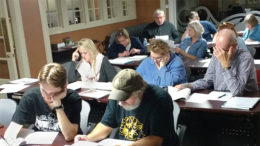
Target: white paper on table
(220, 96)
(252, 43)
(39, 137)
(24, 81)
(138, 57)
(179, 94)
(97, 85)
(120, 60)
(75, 85)
(162, 37)
(105, 142)
(198, 98)
(244, 103)
(12, 88)
(84, 143)
(204, 60)
(113, 142)
(94, 93)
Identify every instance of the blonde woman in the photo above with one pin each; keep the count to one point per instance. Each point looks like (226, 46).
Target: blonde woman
(89, 64)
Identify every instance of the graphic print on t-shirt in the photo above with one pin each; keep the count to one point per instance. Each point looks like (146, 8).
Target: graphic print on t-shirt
(131, 128)
(47, 122)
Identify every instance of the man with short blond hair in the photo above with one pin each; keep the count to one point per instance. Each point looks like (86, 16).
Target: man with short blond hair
(50, 107)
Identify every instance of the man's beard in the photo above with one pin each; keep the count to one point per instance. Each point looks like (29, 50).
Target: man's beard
(132, 107)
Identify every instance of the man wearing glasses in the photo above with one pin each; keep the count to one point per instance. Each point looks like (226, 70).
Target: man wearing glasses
(160, 27)
(230, 69)
(163, 68)
(50, 107)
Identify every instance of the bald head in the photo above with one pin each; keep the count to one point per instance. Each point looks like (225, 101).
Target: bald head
(225, 39)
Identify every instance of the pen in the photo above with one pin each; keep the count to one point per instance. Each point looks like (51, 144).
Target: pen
(222, 96)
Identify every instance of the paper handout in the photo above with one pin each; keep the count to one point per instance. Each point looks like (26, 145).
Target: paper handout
(179, 94)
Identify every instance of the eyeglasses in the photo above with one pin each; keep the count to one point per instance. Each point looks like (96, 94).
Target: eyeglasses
(48, 95)
(157, 59)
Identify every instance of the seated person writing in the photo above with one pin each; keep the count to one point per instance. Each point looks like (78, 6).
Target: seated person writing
(50, 107)
(143, 113)
(160, 27)
(92, 65)
(163, 68)
(252, 31)
(124, 45)
(193, 46)
(230, 69)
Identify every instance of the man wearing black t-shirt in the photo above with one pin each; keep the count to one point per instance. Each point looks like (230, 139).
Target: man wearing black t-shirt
(50, 107)
(143, 113)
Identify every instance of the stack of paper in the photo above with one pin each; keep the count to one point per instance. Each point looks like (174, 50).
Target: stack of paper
(179, 94)
(12, 88)
(94, 93)
(126, 60)
(105, 142)
(27, 136)
(24, 81)
(75, 85)
(97, 85)
(245, 103)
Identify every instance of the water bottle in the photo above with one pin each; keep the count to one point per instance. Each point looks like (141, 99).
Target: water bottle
(145, 42)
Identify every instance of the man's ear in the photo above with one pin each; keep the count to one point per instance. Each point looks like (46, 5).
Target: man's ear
(65, 86)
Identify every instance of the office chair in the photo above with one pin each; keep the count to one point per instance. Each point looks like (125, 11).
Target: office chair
(84, 114)
(179, 129)
(7, 109)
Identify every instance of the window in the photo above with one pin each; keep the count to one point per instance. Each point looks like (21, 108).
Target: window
(110, 9)
(216, 12)
(52, 13)
(62, 15)
(74, 10)
(124, 7)
(94, 10)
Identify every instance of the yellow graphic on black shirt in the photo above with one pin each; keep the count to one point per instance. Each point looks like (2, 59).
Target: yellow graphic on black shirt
(131, 128)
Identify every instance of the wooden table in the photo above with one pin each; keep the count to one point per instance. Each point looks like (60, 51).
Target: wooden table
(210, 124)
(63, 54)
(59, 140)
(132, 65)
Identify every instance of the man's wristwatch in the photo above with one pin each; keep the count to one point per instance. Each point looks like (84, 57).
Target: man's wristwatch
(58, 107)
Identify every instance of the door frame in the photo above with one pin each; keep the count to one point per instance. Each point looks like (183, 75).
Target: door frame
(10, 55)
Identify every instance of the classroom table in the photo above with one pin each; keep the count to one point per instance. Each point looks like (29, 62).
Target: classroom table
(210, 124)
(59, 140)
(208, 120)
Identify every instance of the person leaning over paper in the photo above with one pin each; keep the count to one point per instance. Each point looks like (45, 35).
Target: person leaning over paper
(50, 107)
(143, 113)
(88, 64)
(230, 69)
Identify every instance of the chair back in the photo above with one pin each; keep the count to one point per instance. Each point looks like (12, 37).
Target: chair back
(176, 112)
(84, 114)
(7, 109)
(179, 128)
